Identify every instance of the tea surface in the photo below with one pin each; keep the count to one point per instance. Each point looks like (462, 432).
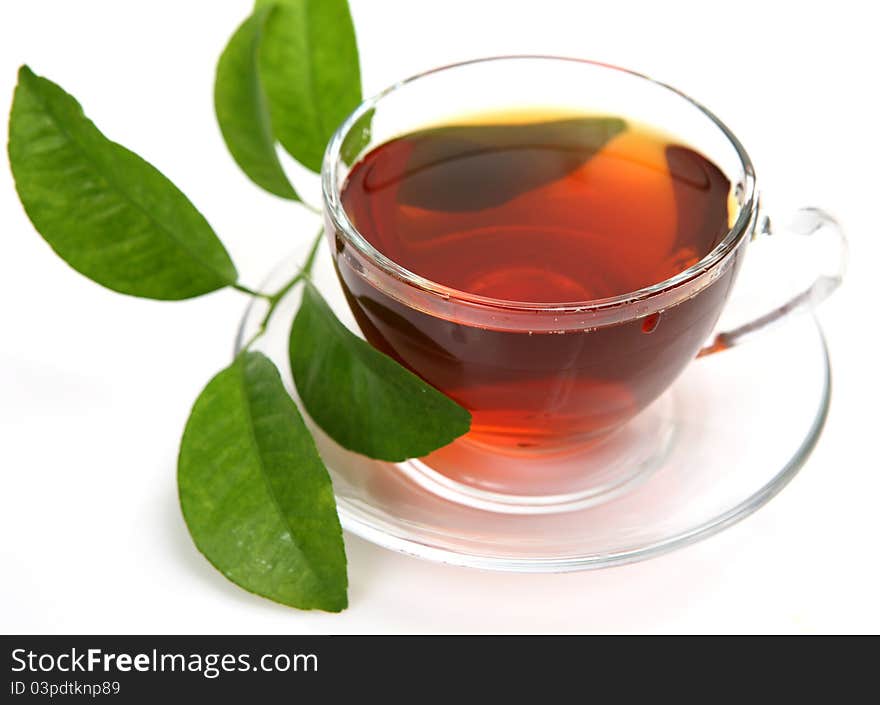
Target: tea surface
(555, 211)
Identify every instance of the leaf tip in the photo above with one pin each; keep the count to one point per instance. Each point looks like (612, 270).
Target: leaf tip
(336, 604)
(25, 73)
(467, 418)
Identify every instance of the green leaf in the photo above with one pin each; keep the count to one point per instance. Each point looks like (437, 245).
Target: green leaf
(310, 71)
(255, 495)
(362, 398)
(107, 212)
(242, 109)
(464, 153)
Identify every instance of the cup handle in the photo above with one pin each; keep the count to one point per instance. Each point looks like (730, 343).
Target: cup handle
(812, 222)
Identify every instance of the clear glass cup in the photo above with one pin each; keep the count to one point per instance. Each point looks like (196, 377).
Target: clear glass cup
(607, 359)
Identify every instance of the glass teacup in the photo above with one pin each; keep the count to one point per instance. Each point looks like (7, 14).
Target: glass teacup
(548, 380)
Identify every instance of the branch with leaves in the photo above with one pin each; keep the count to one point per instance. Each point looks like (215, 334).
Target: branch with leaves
(253, 489)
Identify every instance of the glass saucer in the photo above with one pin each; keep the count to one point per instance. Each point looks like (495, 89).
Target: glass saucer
(735, 428)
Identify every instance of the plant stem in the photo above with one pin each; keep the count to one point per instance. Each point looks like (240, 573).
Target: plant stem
(278, 296)
(251, 292)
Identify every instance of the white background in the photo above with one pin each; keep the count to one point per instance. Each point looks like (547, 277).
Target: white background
(95, 387)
